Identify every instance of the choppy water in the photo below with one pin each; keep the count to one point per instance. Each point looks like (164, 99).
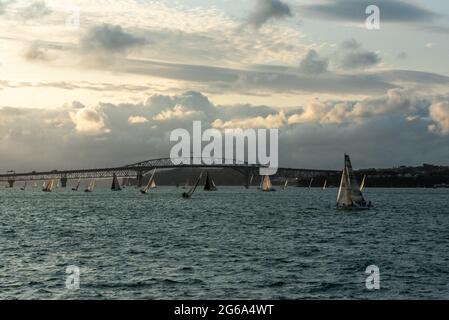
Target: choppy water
(233, 243)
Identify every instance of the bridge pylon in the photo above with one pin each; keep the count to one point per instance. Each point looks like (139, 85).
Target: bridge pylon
(64, 181)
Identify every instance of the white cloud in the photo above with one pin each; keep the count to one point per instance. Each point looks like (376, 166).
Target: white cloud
(272, 121)
(439, 113)
(137, 120)
(178, 112)
(89, 121)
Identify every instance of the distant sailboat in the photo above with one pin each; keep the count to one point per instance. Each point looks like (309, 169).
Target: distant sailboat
(210, 184)
(349, 195)
(311, 182)
(186, 185)
(285, 184)
(24, 186)
(77, 185)
(90, 187)
(266, 185)
(149, 184)
(188, 195)
(48, 187)
(115, 184)
(362, 186)
(35, 185)
(325, 184)
(250, 182)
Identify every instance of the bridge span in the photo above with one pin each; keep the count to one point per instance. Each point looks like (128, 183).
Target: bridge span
(140, 169)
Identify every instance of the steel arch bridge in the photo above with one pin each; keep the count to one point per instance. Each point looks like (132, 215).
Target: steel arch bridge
(140, 169)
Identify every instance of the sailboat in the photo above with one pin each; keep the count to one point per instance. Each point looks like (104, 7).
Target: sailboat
(186, 185)
(266, 185)
(285, 184)
(210, 184)
(362, 185)
(115, 184)
(35, 185)
(250, 182)
(24, 186)
(311, 182)
(325, 184)
(48, 187)
(90, 187)
(149, 184)
(188, 194)
(349, 195)
(77, 185)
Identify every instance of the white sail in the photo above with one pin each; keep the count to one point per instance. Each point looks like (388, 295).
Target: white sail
(266, 184)
(91, 186)
(48, 187)
(150, 183)
(325, 184)
(362, 185)
(311, 182)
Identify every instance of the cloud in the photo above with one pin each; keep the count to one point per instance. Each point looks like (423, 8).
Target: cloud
(439, 113)
(313, 64)
(272, 121)
(410, 128)
(35, 10)
(266, 10)
(137, 120)
(402, 55)
(178, 112)
(354, 10)
(353, 56)
(89, 121)
(108, 38)
(35, 52)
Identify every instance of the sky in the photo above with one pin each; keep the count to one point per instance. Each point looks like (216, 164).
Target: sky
(102, 83)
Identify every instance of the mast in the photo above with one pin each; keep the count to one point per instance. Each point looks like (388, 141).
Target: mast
(285, 184)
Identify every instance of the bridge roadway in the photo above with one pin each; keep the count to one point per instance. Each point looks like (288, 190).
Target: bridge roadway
(139, 170)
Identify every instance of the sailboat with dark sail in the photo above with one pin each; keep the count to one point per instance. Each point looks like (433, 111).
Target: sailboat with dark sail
(349, 195)
(115, 184)
(210, 184)
(150, 185)
(188, 194)
(77, 185)
(48, 187)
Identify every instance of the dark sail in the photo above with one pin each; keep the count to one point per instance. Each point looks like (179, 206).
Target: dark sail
(210, 185)
(192, 190)
(115, 184)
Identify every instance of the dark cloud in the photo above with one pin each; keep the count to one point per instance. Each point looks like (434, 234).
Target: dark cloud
(268, 9)
(313, 64)
(354, 10)
(110, 39)
(353, 56)
(35, 52)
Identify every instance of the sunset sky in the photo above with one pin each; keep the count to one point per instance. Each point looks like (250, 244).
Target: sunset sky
(108, 91)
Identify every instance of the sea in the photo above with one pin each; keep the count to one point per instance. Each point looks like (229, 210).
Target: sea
(229, 244)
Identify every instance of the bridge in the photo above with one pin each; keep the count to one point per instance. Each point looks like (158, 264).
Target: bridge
(140, 169)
